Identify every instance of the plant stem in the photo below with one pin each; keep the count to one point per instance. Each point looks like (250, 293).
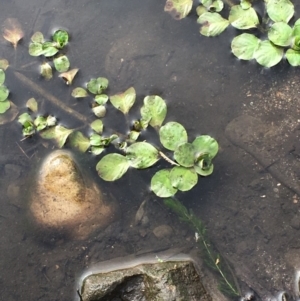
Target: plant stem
(167, 159)
(50, 97)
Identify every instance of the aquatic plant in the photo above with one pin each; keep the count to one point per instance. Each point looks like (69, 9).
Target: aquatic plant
(227, 282)
(277, 35)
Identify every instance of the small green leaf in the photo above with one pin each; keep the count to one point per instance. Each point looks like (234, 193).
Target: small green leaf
(49, 49)
(161, 184)
(124, 101)
(61, 63)
(133, 136)
(184, 154)
(4, 92)
(24, 118)
(112, 167)
(200, 10)
(38, 38)
(32, 105)
(245, 4)
(172, 134)
(280, 34)
(293, 57)
(4, 64)
(243, 18)
(267, 54)
(46, 71)
(79, 92)
(154, 109)
(206, 145)
(97, 150)
(61, 37)
(216, 6)
(99, 111)
(183, 178)
(101, 99)
(296, 43)
(206, 3)
(36, 49)
(97, 85)
(96, 140)
(79, 141)
(51, 120)
(280, 10)
(58, 133)
(142, 155)
(40, 123)
(97, 126)
(4, 106)
(244, 46)
(204, 166)
(2, 76)
(178, 8)
(28, 129)
(212, 24)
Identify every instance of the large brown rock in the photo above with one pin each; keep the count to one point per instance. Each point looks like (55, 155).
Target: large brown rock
(64, 201)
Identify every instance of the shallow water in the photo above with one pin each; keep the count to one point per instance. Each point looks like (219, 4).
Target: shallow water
(247, 213)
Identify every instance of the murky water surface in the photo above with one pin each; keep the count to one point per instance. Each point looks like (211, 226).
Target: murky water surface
(251, 215)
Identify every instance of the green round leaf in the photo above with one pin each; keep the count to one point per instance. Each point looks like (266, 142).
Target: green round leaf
(40, 123)
(280, 34)
(25, 118)
(4, 92)
(112, 167)
(213, 24)
(204, 172)
(79, 92)
(296, 43)
(206, 145)
(280, 10)
(101, 99)
(4, 64)
(124, 101)
(97, 126)
(38, 38)
(185, 154)
(96, 140)
(4, 106)
(36, 49)
(244, 46)
(142, 155)
(97, 150)
(32, 104)
(293, 57)
(200, 10)
(2, 76)
(61, 63)
(79, 141)
(61, 37)
(46, 71)
(58, 133)
(216, 6)
(243, 18)
(182, 178)
(99, 111)
(154, 109)
(97, 85)
(161, 184)
(172, 134)
(245, 4)
(49, 49)
(267, 54)
(178, 8)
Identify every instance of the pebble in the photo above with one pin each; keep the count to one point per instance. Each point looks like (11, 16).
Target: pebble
(162, 231)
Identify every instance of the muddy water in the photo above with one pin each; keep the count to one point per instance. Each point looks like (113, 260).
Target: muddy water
(251, 218)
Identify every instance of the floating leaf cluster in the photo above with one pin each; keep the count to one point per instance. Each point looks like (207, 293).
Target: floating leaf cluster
(32, 125)
(39, 46)
(268, 51)
(4, 92)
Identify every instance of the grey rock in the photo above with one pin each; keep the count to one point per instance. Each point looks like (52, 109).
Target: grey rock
(165, 281)
(295, 222)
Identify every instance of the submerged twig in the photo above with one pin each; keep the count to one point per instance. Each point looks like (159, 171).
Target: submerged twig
(50, 97)
(22, 150)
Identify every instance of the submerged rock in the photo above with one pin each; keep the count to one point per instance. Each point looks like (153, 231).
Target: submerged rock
(165, 281)
(64, 201)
